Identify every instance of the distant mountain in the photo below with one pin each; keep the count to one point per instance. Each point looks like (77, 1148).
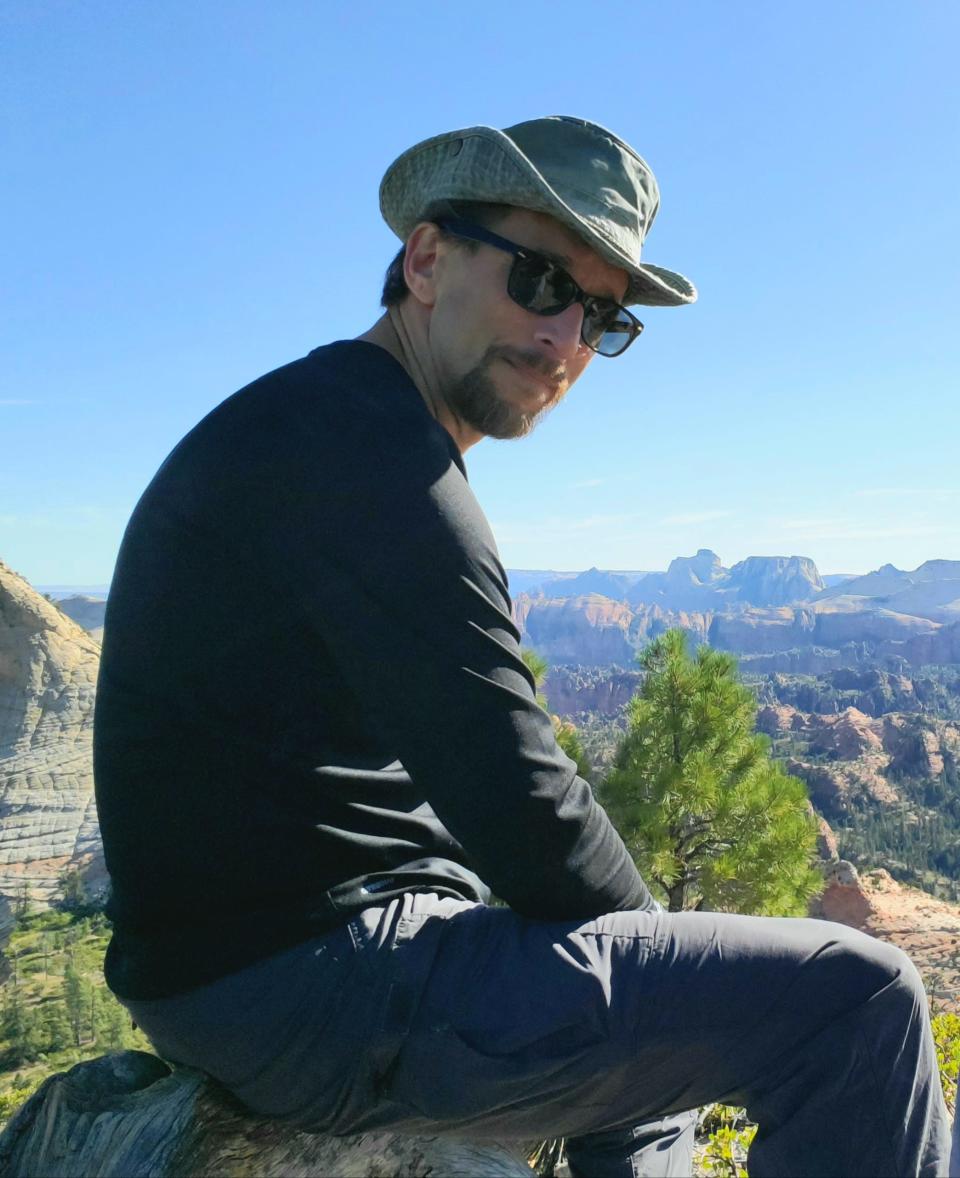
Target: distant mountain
(86, 611)
(58, 591)
(775, 580)
(701, 582)
(611, 583)
(690, 582)
(932, 590)
(530, 580)
(775, 612)
(607, 583)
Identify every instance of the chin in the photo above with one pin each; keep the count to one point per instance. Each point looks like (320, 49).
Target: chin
(498, 408)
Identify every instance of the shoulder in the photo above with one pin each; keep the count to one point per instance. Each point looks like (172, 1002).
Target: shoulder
(344, 406)
(344, 383)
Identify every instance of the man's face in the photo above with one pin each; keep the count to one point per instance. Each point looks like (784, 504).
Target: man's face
(501, 368)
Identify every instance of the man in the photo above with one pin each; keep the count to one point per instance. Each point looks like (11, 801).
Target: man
(318, 749)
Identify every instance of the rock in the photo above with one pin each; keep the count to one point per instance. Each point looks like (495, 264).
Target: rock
(48, 675)
(827, 850)
(835, 788)
(879, 627)
(775, 718)
(702, 569)
(916, 746)
(938, 647)
(843, 899)
(614, 585)
(701, 582)
(761, 631)
(884, 582)
(842, 874)
(571, 691)
(845, 737)
(129, 1115)
(591, 629)
(87, 612)
(775, 580)
(799, 660)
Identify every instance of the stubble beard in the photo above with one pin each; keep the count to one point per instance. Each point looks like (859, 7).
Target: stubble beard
(474, 398)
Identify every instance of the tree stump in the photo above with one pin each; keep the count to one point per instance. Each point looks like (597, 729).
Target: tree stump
(130, 1115)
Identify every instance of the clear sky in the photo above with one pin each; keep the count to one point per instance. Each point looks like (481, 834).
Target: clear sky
(189, 199)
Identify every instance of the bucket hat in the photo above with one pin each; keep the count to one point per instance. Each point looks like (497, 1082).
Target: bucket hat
(576, 171)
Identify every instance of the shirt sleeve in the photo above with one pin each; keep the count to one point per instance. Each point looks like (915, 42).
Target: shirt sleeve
(380, 541)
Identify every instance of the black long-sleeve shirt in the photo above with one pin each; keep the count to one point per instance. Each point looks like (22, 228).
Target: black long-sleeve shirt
(311, 695)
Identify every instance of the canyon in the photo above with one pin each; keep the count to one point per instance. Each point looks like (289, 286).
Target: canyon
(776, 613)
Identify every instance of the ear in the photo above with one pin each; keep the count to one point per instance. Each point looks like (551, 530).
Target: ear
(420, 262)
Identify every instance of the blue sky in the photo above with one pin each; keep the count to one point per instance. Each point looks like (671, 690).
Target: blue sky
(190, 199)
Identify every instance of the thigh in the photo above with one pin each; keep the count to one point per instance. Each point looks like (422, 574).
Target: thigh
(293, 1036)
(536, 1028)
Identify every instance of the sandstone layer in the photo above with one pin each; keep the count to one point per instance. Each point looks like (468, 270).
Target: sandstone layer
(48, 674)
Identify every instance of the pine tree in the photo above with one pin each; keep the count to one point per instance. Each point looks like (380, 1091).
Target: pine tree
(75, 999)
(115, 1030)
(55, 1026)
(21, 1027)
(711, 820)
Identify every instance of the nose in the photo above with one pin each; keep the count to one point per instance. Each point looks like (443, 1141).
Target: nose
(560, 334)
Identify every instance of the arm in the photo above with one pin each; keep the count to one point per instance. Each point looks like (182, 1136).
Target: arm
(393, 563)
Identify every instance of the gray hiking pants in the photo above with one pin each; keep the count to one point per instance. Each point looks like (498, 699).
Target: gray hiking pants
(440, 1016)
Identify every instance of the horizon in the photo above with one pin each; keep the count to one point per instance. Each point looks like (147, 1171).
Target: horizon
(101, 588)
(196, 204)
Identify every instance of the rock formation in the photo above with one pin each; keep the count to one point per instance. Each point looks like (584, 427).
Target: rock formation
(932, 590)
(562, 629)
(775, 580)
(130, 1114)
(86, 611)
(835, 789)
(775, 611)
(938, 646)
(827, 851)
(845, 737)
(572, 690)
(48, 673)
(614, 585)
(859, 758)
(701, 582)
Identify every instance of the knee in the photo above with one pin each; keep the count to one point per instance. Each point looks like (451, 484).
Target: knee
(874, 968)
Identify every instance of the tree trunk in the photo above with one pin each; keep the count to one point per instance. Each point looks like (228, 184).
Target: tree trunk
(129, 1115)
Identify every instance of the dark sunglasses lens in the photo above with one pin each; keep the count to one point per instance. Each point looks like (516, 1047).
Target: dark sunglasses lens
(539, 286)
(609, 329)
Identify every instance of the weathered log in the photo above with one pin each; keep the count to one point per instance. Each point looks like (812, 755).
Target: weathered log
(129, 1115)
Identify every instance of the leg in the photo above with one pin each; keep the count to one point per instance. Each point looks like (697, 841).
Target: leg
(442, 1016)
(529, 1029)
(662, 1148)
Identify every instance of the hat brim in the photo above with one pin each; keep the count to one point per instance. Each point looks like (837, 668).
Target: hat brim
(483, 164)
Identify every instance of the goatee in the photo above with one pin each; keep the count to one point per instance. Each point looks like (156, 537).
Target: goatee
(474, 398)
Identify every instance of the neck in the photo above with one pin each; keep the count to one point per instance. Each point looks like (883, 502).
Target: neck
(405, 337)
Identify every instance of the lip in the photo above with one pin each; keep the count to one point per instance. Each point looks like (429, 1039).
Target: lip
(547, 389)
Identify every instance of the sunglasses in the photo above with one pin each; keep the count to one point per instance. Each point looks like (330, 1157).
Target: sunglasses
(539, 285)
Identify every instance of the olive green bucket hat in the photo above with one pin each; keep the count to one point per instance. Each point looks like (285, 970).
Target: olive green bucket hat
(576, 171)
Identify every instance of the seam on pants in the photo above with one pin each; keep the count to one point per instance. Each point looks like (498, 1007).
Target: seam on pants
(881, 1110)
